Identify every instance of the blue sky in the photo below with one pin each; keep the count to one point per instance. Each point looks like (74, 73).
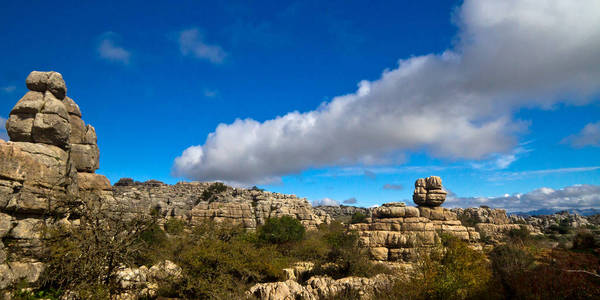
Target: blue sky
(334, 100)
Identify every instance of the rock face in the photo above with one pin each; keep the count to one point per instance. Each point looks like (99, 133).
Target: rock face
(343, 213)
(429, 192)
(396, 232)
(321, 287)
(50, 157)
(249, 208)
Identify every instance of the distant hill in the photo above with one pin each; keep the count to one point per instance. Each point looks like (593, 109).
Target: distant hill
(550, 211)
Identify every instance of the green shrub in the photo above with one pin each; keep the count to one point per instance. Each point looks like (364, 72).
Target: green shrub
(210, 193)
(584, 240)
(174, 226)
(281, 230)
(451, 270)
(358, 217)
(521, 235)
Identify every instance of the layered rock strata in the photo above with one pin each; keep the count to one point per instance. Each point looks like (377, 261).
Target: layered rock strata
(184, 200)
(50, 158)
(429, 192)
(396, 232)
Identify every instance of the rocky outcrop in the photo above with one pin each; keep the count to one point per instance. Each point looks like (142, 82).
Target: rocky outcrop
(429, 192)
(193, 201)
(322, 287)
(396, 232)
(555, 222)
(49, 160)
(342, 213)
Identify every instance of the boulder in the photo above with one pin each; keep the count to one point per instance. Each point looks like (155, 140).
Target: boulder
(31, 103)
(53, 129)
(19, 126)
(91, 181)
(433, 182)
(78, 130)
(37, 81)
(85, 158)
(56, 85)
(72, 107)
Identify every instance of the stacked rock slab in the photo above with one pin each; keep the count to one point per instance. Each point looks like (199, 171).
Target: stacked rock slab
(42, 165)
(429, 192)
(396, 232)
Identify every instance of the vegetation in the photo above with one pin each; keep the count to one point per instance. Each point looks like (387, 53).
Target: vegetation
(281, 230)
(220, 260)
(358, 217)
(210, 193)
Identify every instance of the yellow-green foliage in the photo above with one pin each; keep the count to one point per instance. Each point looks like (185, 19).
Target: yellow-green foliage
(451, 270)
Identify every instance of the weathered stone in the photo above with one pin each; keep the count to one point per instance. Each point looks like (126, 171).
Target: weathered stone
(78, 130)
(90, 136)
(91, 181)
(31, 103)
(5, 225)
(27, 229)
(19, 126)
(37, 81)
(433, 182)
(72, 107)
(420, 183)
(51, 129)
(420, 199)
(379, 253)
(85, 158)
(57, 85)
(54, 106)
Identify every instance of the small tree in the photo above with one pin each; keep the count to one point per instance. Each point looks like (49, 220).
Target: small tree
(281, 230)
(358, 217)
(83, 256)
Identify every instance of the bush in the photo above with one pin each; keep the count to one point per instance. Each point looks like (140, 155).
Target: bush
(174, 226)
(210, 193)
(221, 261)
(358, 217)
(83, 258)
(584, 240)
(281, 230)
(451, 270)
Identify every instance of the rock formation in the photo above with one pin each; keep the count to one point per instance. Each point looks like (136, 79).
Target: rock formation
(321, 287)
(184, 200)
(50, 157)
(396, 232)
(429, 192)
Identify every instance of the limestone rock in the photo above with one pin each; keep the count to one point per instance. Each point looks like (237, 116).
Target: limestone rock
(18, 127)
(429, 192)
(85, 157)
(90, 136)
(31, 103)
(78, 130)
(51, 129)
(72, 107)
(57, 85)
(90, 181)
(37, 81)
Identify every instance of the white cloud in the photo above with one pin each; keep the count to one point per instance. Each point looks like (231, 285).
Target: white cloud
(325, 202)
(588, 136)
(501, 161)
(576, 196)
(191, 42)
(455, 105)
(8, 89)
(109, 50)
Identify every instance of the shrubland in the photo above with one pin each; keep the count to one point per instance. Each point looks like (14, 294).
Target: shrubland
(221, 260)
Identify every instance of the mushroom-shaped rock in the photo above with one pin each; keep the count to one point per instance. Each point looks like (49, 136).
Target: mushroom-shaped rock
(429, 192)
